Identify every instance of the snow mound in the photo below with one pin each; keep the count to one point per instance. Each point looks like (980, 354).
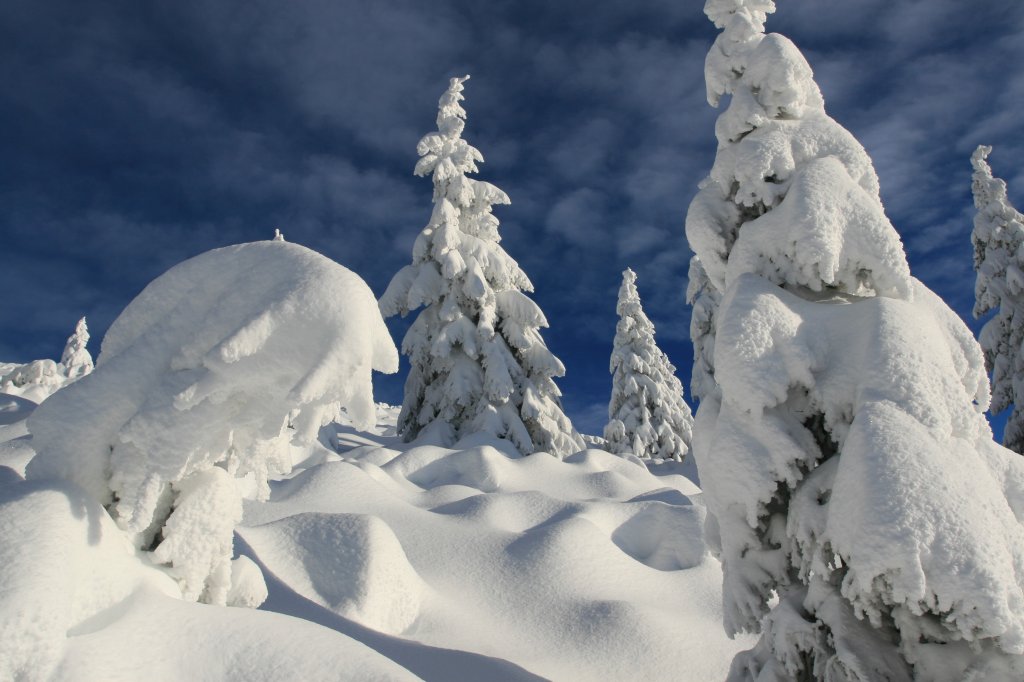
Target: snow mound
(351, 564)
(211, 374)
(585, 568)
(14, 409)
(45, 599)
(79, 604)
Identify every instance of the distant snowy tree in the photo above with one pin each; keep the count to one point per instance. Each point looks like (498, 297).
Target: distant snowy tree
(868, 526)
(647, 414)
(998, 257)
(39, 379)
(478, 362)
(75, 359)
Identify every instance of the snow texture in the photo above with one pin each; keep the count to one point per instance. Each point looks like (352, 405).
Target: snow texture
(478, 362)
(998, 237)
(78, 603)
(389, 561)
(868, 526)
(647, 414)
(212, 374)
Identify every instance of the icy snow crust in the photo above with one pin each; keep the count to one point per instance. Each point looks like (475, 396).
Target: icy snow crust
(213, 372)
(391, 561)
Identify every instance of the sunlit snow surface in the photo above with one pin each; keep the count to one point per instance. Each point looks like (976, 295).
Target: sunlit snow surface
(402, 560)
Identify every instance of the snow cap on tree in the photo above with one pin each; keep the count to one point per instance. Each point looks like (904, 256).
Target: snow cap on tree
(278, 235)
(75, 360)
(478, 362)
(647, 414)
(998, 237)
(867, 525)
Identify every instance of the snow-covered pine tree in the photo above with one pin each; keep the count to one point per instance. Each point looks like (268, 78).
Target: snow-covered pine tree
(75, 360)
(647, 414)
(478, 362)
(867, 525)
(998, 237)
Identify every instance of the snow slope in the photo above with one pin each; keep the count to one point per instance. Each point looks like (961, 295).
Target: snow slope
(386, 561)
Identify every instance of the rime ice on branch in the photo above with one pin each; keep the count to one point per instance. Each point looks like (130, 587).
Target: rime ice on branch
(998, 238)
(840, 437)
(647, 414)
(478, 362)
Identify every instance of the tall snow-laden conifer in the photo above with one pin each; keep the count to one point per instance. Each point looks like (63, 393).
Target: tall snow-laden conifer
(868, 526)
(75, 360)
(647, 414)
(478, 362)
(998, 238)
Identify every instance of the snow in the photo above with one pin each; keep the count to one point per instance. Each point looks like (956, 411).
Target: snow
(214, 372)
(78, 604)
(868, 526)
(38, 380)
(906, 428)
(998, 235)
(478, 361)
(647, 414)
(385, 561)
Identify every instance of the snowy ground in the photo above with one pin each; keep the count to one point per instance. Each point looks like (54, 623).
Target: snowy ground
(383, 561)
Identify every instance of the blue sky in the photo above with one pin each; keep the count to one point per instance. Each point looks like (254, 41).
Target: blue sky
(136, 135)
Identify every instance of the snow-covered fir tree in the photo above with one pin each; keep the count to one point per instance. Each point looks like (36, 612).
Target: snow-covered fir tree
(76, 360)
(478, 362)
(998, 237)
(647, 414)
(868, 526)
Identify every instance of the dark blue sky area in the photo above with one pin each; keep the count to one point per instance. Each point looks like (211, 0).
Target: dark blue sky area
(135, 135)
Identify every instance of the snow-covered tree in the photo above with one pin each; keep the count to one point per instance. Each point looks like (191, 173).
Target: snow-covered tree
(75, 360)
(208, 376)
(647, 414)
(868, 526)
(998, 237)
(478, 362)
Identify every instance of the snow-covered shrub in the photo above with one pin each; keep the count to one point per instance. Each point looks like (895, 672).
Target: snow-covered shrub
(39, 379)
(840, 436)
(478, 362)
(647, 414)
(998, 237)
(210, 374)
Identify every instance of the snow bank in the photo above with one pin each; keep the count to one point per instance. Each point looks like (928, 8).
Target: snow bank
(77, 603)
(349, 563)
(210, 374)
